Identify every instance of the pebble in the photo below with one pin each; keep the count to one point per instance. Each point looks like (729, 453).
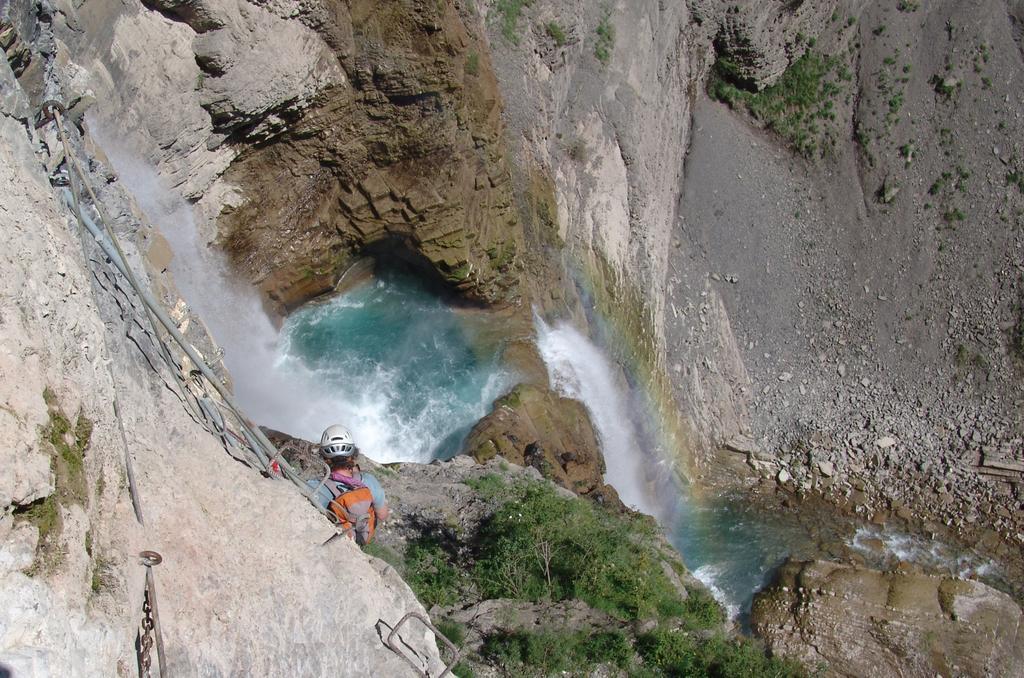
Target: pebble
(841, 370)
(785, 376)
(783, 477)
(885, 442)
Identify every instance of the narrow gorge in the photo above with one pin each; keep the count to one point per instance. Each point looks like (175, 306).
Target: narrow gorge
(686, 338)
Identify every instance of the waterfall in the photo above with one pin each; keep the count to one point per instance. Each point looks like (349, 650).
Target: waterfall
(388, 360)
(578, 369)
(724, 545)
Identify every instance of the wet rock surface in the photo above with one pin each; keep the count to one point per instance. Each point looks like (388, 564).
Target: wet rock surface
(533, 426)
(403, 158)
(861, 622)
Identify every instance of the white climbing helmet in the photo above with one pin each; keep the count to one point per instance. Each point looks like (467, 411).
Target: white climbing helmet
(336, 442)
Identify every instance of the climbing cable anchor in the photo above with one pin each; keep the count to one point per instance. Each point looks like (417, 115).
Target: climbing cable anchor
(149, 632)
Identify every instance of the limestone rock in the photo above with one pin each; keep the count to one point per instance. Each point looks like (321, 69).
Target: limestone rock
(400, 157)
(863, 622)
(18, 548)
(244, 580)
(743, 445)
(13, 101)
(277, 70)
(760, 38)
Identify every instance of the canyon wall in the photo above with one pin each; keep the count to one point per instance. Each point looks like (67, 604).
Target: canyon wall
(244, 586)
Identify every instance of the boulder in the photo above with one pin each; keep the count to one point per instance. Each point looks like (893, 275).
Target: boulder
(533, 426)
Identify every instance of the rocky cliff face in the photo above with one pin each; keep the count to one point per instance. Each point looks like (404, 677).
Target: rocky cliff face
(870, 281)
(244, 584)
(833, 321)
(860, 622)
(403, 159)
(311, 134)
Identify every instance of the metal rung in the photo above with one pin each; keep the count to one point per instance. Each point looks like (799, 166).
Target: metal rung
(396, 648)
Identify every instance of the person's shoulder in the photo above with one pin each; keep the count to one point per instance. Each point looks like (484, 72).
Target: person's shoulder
(369, 478)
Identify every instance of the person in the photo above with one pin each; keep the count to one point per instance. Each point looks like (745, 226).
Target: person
(356, 498)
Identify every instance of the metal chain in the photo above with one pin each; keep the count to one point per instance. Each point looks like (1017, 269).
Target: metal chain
(149, 629)
(145, 641)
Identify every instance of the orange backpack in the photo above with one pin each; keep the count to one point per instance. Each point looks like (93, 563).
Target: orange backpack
(354, 508)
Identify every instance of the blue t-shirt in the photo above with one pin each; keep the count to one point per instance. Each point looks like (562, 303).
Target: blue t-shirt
(376, 490)
(324, 496)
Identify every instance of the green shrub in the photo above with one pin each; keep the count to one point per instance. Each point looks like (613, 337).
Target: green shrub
(796, 107)
(385, 553)
(675, 653)
(452, 630)
(430, 574)
(489, 486)
(609, 647)
(67, 445)
(551, 652)
(954, 215)
(1017, 335)
(701, 610)
(605, 39)
(473, 63)
(556, 33)
(508, 12)
(543, 546)
(1015, 178)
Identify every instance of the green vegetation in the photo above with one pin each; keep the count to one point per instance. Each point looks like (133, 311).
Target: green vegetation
(966, 358)
(675, 653)
(896, 103)
(385, 553)
(946, 87)
(552, 652)
(508, 13)
(797, 107)
(473, 64)
(556, 33)
(543, 546)
(102, 575)
(489, 486)
(452, 630)
(953, 215)
(44, 514)
(67, 446)
(539, 545)
(908, 5)
(1017, 335)
(605, 39)
(1015, 178)
(430, 574)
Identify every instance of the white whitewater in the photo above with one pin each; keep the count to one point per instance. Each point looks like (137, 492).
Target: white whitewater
(578, 369)
(274, 387)
(285, 400)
